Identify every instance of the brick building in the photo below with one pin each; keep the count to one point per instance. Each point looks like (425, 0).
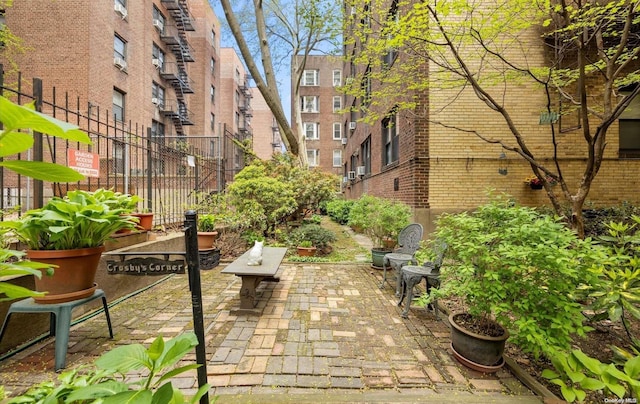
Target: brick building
(436, 168)
(321, 107)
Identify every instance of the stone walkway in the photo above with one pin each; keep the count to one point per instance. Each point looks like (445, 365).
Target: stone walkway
(326, 333)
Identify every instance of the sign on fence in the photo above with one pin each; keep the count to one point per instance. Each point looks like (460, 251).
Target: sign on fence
(85, 163)
(145, 266)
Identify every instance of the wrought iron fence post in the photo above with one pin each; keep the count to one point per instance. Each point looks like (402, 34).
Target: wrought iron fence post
(193, 266)
(38, 155)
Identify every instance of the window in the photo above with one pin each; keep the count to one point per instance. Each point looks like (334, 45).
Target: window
(313, 157)
(118, 105)
(212, 92)
(365, 153)
(392, 18)
(309, 103)
(337, 103)
(157, 92)
(310, 78)
(213, 65)
(311, 130)
(212, 120)
(158, 54)
(236, 98)
(157, 131)
(213, 39)
(119, 150)
(337, 131)
(629, 129)
(337, 157)
(389, 140)
(337, 78)
(366, 87)
(119, 47)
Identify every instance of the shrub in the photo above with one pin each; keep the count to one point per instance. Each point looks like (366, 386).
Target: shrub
(316, 234)
(338, 210)
(379, 218)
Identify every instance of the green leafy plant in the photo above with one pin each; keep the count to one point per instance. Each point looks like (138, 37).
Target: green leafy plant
(306, 244)
(78, 220)
(11, 264)
(206, 222)
(106, 382)
(338, 210)
(577, 373)
(510, 263)
(379, 218)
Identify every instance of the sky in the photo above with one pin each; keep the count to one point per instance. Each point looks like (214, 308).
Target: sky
(283, 75)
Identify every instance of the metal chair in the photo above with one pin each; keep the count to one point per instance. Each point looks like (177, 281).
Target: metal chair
(408, 243)
(411, 275)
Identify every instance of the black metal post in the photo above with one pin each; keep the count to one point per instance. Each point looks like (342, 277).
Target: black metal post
(150, 169)
(38, 154)
(193, 266)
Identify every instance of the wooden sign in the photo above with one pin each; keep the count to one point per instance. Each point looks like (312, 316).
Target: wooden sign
(145, 266)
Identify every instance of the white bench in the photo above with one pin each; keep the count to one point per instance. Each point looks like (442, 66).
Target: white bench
(253, 275)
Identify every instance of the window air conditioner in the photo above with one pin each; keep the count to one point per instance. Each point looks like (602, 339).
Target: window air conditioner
(360, 171)
(352, 126)
(155, 101)
(345, 179)
(119, 63)
(158, 24)
(155, 62)
(344, 140)
(121, 9)
(351, 175)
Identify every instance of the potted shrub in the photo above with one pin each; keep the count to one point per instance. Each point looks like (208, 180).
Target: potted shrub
(207, 233)
(312, 236)
(381, 219)
(514, 272)
(70, 233)
(306, 249)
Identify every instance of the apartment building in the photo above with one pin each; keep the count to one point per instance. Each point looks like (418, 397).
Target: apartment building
(435, 168)
(321, 109)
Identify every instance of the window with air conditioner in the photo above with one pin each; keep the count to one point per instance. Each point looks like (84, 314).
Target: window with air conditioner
(309, 103)
(157, 56)
(352, 125)
(360, 170)
(157, 94)
(311, 130)
(158, 19)
(120, 7)
(310, 78)
(119, 52)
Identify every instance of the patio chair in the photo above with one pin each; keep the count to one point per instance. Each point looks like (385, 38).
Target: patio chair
(408, 243)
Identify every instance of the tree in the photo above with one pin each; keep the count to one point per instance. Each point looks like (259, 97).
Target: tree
(303, 27)
(574, 58)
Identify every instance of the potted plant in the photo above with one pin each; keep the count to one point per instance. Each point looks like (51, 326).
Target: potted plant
(207, 233)
(312, 238)
(70, 233)
(381, 219)
(514, 273)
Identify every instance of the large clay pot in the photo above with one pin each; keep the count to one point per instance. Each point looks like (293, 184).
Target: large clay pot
(306, 251)
(146, 220)
(206, 239)
(479, 352)
(73, 278)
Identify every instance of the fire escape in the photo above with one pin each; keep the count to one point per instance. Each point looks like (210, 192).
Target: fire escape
(244, 106)
(175, 37)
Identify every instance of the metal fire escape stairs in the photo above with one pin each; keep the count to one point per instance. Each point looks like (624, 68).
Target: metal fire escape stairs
(175, 38)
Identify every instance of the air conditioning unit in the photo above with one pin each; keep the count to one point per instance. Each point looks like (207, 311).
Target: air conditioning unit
(118, 62)
(156, 101)
(121, 10)
(360, 171)
(353, 11)
(351, 175)
(155, 62)
(344, 140)
(352, 126)
(345, 179)
(158, 24)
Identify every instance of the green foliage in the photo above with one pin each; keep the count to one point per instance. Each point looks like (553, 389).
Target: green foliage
(510, 263)
(12, 265)
(14, 118)
(317, 235)
(80, 219)
(339, 209)
(577, 373)
(298, 258)
(206, 222)
(379, 218)
(156, 363)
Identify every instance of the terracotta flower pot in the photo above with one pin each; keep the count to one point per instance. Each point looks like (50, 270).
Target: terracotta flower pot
(206, 239)
(146, 220)
(306, 251)
(73, 278)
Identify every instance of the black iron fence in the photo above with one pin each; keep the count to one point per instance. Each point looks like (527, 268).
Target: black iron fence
(169, 172)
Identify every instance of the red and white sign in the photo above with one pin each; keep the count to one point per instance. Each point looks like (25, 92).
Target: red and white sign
(85, 163)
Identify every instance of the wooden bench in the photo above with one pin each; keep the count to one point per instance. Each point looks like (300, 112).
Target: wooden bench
(252, 275)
